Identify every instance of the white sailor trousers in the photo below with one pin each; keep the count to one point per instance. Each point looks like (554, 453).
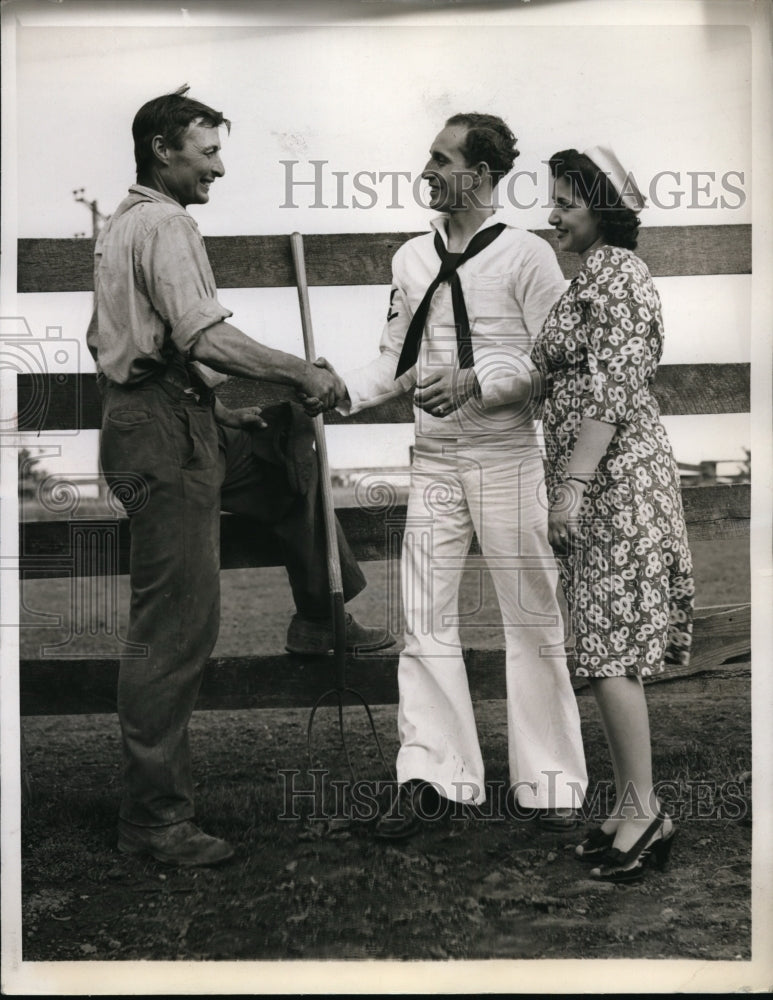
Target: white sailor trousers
(497, 490)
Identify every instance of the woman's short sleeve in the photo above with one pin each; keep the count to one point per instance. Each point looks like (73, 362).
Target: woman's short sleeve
(619, 314)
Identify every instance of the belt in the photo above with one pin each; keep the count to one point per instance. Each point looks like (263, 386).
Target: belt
(177, 380)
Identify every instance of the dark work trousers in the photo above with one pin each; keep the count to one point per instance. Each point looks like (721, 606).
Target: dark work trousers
(175, 469)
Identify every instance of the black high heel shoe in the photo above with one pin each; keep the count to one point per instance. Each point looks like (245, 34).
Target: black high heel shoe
(626, 867)
(659, 851)
(595, 845)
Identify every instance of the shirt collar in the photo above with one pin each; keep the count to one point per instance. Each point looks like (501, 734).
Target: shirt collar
(440, 224)
(152, 195)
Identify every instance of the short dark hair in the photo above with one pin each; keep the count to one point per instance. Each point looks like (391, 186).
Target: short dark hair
(488, 140)
(618, 224)
(169, 116)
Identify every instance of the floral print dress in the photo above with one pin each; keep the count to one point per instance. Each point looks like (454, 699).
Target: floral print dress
(628, 576)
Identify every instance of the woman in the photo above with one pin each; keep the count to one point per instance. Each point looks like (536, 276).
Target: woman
(615, 518)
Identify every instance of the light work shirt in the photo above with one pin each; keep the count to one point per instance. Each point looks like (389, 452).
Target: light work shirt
(508, 290)
(154, 290)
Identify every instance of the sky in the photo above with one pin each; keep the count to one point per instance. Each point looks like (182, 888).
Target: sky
(673, 100)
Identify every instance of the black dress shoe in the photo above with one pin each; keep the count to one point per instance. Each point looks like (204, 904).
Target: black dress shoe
(558, 820)
(400, 820)
(416, 804)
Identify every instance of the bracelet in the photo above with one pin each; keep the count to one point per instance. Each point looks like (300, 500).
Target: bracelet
(578, 480)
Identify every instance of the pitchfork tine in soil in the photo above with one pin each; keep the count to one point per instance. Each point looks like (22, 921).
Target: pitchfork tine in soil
(341, 689)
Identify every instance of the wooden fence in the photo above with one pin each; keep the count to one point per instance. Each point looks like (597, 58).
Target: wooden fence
(82, 547)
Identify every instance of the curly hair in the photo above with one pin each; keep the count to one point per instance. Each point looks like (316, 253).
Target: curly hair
(618, 224)
(169, 116)
(488, 140)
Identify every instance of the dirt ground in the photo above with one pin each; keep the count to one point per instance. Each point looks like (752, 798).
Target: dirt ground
(484, 888)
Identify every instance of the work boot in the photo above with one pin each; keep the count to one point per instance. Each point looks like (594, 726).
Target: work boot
(312, 637)
(182, 844)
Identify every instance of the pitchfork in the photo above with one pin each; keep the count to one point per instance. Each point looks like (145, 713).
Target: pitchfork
(341, 688)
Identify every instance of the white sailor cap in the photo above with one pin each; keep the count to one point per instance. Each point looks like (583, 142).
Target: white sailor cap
(622, 181)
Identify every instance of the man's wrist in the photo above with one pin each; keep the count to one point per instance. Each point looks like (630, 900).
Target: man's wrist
(307, 378)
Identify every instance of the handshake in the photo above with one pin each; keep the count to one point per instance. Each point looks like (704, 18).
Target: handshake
(322, 388)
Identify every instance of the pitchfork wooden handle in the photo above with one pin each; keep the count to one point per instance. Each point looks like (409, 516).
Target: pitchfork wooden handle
(331, 534)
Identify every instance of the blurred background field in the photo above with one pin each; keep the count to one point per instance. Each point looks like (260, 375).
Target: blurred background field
(256, 604)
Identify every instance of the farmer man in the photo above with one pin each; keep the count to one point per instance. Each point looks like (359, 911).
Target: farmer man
(466, 302)
(176, 456)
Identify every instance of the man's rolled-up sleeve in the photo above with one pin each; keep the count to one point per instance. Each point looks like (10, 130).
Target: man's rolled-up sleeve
(179, 281)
